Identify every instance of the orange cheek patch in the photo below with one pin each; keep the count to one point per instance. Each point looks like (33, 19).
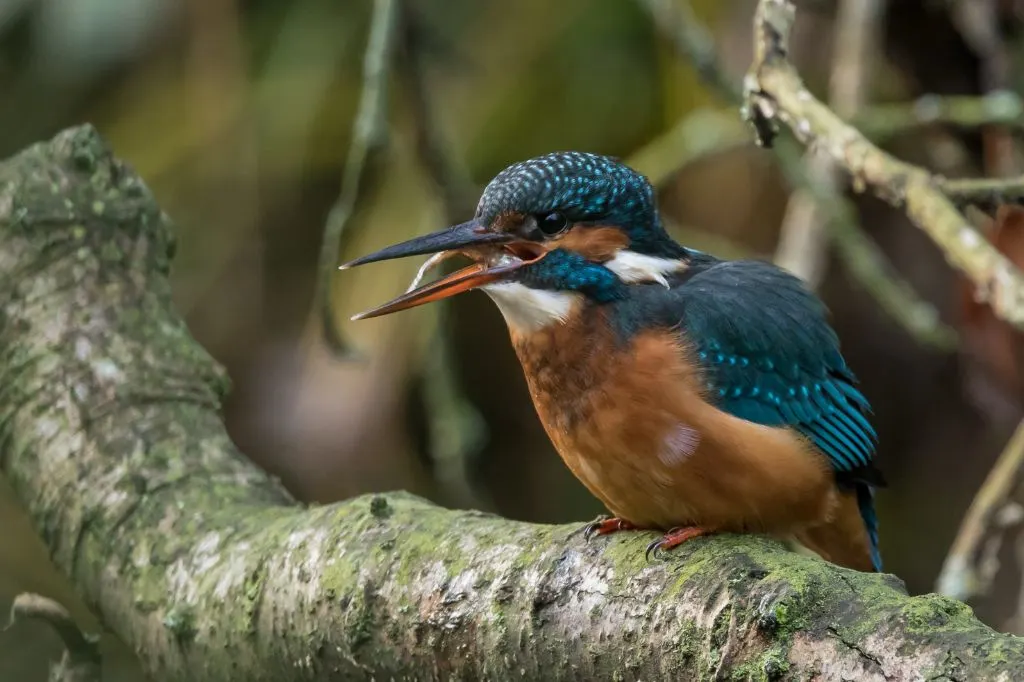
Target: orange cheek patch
(597, 244)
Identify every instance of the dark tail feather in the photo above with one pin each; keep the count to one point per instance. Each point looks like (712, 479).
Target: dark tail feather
(866, 505)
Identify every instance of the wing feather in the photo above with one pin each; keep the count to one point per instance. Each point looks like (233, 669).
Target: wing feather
(772, 358)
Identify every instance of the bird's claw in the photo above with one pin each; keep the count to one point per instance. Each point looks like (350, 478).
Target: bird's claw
(606, 525)
(673, 538)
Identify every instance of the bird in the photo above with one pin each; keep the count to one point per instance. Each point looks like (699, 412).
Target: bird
(691, 395)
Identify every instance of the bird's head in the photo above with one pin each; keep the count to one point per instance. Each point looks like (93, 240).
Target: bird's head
(547, 232)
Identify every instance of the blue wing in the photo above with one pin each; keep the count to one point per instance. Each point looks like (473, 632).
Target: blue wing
(772, 358)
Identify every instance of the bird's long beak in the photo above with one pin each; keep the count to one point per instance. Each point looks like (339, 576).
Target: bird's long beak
(455, 238)
(506, 254)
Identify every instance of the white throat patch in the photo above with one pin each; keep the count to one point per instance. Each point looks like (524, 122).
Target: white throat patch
(632, 267)
(526, 309)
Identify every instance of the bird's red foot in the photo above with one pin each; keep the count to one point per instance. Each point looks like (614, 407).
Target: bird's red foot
(674, 538)
(606, 526)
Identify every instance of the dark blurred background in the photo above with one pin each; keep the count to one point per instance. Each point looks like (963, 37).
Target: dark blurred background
(239, 116)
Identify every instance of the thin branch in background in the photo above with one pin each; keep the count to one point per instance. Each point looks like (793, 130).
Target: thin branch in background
(938, 116)
(81, 660)
(865, 260)
(691, 39)
(701, 133)
(456, 427)
(450, 177)
(964, 573)
(708, 131)
(369, 139)
(979, 24)
(972, 563)
(984, 192)
(777, 94)
(882, 121)
(803, 238)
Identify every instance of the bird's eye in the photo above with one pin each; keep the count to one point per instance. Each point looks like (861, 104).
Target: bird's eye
(552, 223)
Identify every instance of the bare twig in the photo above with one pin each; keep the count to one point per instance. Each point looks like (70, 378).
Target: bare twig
(369, 139)
(677, 22)
(863, 257)
(81, 660)
(866, 262)
(450, 177)
(706, 132)
(702, 133)
(882, 121)
(456, 428)
(979, 24)
(963, 574)
(776, 94)
(986, 192)
(803, 239)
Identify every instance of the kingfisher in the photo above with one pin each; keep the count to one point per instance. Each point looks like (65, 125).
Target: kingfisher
(691, 395)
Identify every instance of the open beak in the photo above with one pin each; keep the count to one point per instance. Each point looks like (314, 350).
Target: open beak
(496, 254)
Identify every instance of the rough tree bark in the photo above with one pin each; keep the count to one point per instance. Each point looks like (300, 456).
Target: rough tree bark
(110, 434)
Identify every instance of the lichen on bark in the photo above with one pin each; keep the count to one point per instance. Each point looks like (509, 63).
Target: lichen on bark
(111, 437)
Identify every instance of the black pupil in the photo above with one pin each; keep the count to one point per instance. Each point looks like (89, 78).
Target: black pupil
(552, 223)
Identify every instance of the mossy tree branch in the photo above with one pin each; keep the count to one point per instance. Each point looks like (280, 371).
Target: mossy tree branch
(110, 435)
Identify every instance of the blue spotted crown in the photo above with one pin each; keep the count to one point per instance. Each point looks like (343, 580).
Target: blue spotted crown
(583, 186)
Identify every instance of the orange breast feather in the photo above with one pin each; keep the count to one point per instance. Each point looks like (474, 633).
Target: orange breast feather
(632, 423)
